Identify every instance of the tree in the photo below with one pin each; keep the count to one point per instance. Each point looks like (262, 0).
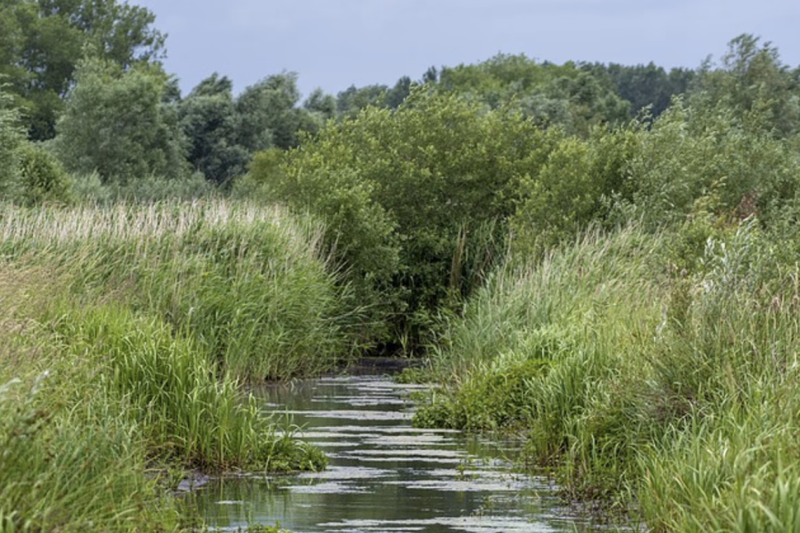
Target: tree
(269, 115)
(42, 41)
(751, 80)
(123, 33)
(11, 136)
(397, 94)
(117, 124)
(210, 121)
(431, 75)
(645, 85)
(321, 104)
(562, 95)
(352, 100)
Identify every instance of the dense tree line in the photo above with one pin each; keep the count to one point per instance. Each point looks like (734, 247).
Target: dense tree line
(58, 58)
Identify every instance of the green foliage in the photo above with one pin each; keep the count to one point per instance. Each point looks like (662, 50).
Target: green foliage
(350, 102)
(728, 373)
(42, 177)
(489, 398)
(648, 87)
(562, 95)
(408, 195)
(116, 124)
(42, 42)
(224, 132)
(11, 137)
(751, 81)
(322, 104)
(69, 460)
(578, 185)
(70, 469)
(210, 122)
(692, 153)
(354, 99)
(268, 113)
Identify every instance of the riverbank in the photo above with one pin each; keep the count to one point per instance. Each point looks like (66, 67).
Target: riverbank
(668, 392)
(127, 332)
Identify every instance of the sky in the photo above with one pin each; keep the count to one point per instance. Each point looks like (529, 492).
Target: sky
(334, 44)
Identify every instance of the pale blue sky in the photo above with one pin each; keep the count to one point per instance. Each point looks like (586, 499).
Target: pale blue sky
(335, 43)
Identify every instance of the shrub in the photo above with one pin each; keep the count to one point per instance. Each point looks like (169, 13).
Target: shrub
(578, 186)
(42, 178)
(406, 193)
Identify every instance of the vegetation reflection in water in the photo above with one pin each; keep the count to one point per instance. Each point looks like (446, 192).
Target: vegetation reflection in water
(384, 475)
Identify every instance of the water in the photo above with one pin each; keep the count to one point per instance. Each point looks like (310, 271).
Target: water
(384, 475)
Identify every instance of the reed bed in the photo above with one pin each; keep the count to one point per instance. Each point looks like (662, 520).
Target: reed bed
(127, 331)
(667, 394)
(251, 283)
(122, 221)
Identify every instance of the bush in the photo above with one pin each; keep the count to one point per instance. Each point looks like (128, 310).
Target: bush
(42, 178)
(690, 154)
(407, 193)
(577, 186)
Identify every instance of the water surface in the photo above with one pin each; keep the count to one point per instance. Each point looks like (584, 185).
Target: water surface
(384, 475)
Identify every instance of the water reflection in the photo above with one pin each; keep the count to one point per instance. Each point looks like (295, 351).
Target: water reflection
(384, 475)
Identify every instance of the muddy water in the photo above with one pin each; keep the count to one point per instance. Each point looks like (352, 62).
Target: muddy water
(384, 475)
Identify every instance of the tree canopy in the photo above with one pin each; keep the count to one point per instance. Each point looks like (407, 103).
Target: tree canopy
(42, 42)
(116, 123)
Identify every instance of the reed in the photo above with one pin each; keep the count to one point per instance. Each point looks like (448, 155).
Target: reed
(251, 284)
(70, 461)
(145, 320)
(671, 393)
(168, 388)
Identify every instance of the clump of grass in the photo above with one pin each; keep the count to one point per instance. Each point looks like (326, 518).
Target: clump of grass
(170, 390)
(69, 461)
(571, 316)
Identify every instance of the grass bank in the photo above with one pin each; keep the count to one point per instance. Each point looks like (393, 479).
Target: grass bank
(657, 372)
(126, 333)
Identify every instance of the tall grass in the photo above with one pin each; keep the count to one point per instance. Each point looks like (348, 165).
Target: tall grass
(554, 340)
(71, 469)
(68, 460)
(249, 283)
(673, 389)
(142, 318)
(167, 386)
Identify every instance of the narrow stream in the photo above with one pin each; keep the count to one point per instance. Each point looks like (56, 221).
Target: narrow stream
(384, 475)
